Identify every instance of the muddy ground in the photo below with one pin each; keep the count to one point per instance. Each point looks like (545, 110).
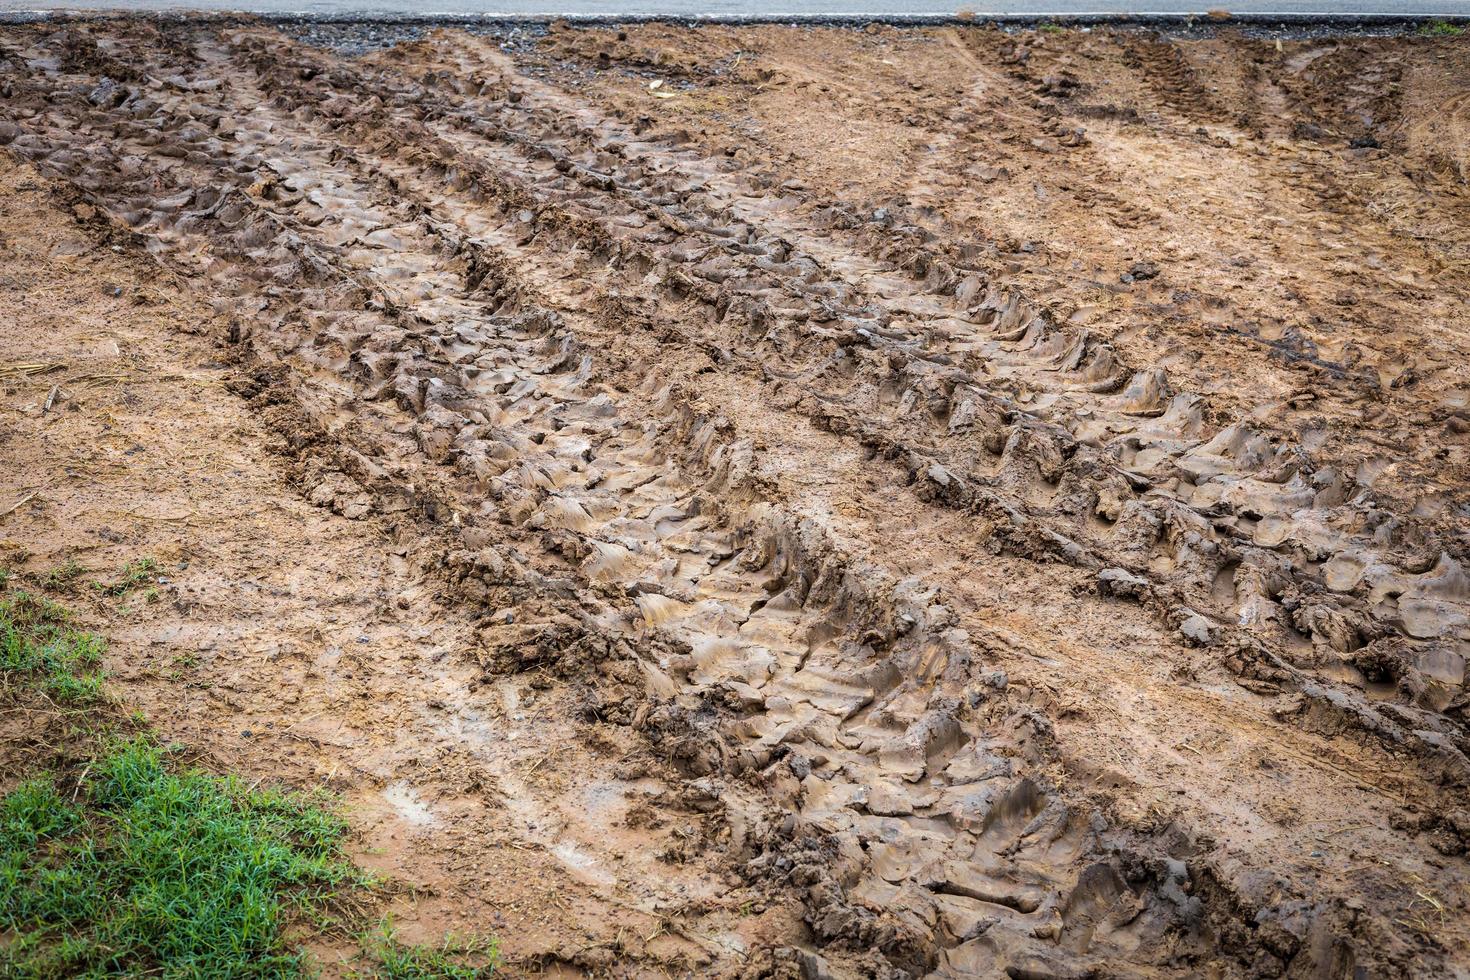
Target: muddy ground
(781, 502)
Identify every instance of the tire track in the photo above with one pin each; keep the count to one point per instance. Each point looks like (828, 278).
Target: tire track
(437, 289)
(1254, 515)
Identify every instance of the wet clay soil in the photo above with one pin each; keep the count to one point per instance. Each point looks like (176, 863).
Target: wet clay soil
(777, 502)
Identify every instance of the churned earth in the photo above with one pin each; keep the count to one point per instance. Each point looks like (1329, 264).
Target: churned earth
(782, 502)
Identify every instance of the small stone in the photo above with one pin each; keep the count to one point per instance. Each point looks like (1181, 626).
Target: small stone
(1121, 583)
(1198, 630)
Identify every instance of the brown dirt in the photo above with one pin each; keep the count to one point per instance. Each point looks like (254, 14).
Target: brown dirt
(874, 503)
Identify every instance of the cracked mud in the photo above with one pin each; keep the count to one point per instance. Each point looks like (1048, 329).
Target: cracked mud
(968, 504)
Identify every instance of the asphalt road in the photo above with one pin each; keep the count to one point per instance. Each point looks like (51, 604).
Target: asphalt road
(766, 10)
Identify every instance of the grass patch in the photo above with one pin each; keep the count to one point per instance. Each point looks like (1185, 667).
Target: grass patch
(1440, 28)
(122, 863)
(62, 576)
(393, 960)
(140, 573)
(136, 573)
(38, 647)
(158, 871)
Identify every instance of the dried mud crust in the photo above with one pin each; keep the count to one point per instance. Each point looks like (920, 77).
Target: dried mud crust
(1043, 606)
